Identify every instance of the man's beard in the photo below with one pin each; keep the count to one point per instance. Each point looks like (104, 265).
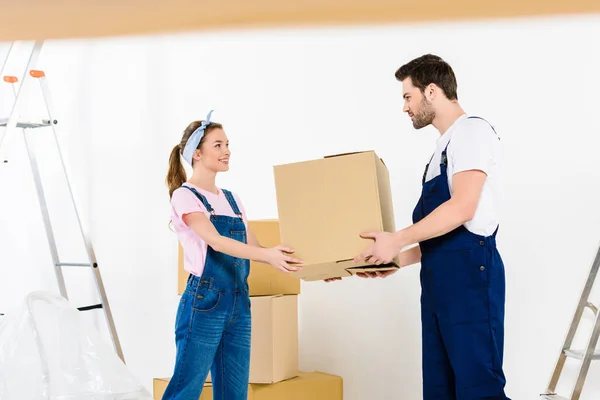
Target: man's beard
(425, 116)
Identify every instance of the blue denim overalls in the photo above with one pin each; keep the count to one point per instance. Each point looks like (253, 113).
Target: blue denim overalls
(462, 306)
(213, 323)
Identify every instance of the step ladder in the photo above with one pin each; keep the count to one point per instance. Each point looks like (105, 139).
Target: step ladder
(587, 355)
(13, 124)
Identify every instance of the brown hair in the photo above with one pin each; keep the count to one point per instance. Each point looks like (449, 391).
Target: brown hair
(428, 69)
(176, 175)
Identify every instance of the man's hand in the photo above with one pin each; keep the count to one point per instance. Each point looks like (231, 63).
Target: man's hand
(377, 274)
(383, 251)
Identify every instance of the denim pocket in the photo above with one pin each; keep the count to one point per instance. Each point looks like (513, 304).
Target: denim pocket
(206, 300)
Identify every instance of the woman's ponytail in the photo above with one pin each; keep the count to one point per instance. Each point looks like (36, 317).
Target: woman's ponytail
(176, 175)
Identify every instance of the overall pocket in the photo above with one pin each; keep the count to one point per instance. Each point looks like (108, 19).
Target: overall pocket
(205, 299)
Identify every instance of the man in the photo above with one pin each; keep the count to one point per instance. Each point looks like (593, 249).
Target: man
(455, 223)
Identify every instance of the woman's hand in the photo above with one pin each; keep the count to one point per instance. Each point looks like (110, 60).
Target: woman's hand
(279, 258)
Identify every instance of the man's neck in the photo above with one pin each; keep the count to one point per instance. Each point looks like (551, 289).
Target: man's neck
(446, 116)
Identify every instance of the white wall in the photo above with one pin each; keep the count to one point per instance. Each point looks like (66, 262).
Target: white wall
(300, 94)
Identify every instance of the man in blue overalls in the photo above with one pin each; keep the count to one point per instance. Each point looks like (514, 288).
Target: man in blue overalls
(455, 226)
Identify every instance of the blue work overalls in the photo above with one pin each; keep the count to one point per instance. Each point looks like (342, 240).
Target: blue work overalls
(213, 322)
(462, 306)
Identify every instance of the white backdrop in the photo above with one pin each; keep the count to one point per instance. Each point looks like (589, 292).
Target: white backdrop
(292, 95)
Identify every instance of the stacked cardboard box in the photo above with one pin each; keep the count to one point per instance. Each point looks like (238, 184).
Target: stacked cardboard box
(311, 385)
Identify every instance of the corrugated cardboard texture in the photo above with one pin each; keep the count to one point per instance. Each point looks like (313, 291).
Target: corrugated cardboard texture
(72, 18)
(264, 279)
(160, 385)
(182, 274)
(325, 204)
(307, 386)
(274, 338)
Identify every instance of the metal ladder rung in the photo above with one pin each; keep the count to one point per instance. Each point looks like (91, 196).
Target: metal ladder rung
(553, 397)
(592, 307)
(579, 354)
(28, 124)
(92, 307)
(75, 265)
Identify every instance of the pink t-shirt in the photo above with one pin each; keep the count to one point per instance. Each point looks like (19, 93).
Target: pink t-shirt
(183, 202)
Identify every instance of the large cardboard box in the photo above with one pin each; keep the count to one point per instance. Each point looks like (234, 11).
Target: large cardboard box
(307, 385)
(274, 354)
(160, 386)
(264, 279)
(325, 204)
(274, 345)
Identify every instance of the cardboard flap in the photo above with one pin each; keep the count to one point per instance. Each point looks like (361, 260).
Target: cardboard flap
(335, 274)
(371, 268)
(349, 153)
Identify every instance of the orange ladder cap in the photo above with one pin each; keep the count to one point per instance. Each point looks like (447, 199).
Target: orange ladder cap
(37, 73)
(11, 79)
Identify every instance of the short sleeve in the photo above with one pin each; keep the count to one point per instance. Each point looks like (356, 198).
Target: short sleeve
(474, 147)
(184, 202)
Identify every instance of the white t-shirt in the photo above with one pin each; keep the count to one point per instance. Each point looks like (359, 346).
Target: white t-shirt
(473, 145)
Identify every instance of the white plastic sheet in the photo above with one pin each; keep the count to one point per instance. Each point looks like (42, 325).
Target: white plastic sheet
(49, 352)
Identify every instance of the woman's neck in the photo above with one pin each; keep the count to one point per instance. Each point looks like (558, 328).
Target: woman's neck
(204, 181)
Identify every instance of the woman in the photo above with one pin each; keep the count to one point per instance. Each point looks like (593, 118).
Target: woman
(213, 322)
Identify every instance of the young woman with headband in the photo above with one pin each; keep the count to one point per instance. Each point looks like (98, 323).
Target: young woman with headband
(213, 322)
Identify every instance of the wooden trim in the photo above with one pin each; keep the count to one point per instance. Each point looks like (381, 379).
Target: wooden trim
(53, 19)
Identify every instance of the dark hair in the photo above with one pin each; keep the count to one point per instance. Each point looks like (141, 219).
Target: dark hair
(428, 69)
(176, 175)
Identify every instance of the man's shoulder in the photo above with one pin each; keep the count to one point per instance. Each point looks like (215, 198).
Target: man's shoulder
(474, 130)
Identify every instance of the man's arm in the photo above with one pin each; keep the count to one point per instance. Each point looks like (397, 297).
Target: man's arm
(405, 258)
(459, 209)
(451, 214)
(410, 256)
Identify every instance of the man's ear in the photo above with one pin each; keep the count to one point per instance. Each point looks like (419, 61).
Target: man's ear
(431, 91)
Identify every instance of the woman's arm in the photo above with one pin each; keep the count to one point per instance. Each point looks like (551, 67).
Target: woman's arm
(275, 256)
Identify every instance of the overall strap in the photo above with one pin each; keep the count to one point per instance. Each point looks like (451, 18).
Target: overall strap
(202, 199)
(491, 126)
(444, 156)
(444, 159)
(427, 169)
(232, 203)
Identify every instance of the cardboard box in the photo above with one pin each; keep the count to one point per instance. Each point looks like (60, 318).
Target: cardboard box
(264, 279)
(274, 338)
(308, 385)
(325, 204)
(274, 351)
(160, 385)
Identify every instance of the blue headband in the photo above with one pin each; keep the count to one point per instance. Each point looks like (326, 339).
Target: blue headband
(194, 140)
